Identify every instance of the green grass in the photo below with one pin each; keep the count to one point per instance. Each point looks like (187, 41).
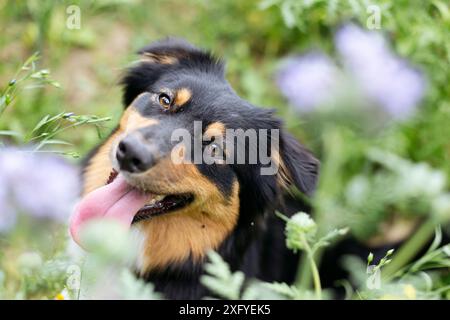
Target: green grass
(59, 91)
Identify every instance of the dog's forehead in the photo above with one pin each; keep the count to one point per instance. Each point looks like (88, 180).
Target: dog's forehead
(207, 95)
(201, 84)
(197, 96)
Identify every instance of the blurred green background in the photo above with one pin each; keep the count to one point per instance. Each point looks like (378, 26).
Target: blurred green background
(253, 36)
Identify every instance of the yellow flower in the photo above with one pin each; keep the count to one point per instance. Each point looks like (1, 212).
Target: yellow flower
(59, 296)
(409, 291)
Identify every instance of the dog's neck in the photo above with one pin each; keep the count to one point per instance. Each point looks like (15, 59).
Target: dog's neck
(174, 238)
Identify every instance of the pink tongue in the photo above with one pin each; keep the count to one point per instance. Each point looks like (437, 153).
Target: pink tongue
(116, 200)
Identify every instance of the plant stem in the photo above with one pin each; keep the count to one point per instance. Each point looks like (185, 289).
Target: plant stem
(329, 185)
(303, 279)
(314, 270)
(409, 249)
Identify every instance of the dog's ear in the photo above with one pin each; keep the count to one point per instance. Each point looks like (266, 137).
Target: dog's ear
(168, 55)
(297, 167)
(173, 51)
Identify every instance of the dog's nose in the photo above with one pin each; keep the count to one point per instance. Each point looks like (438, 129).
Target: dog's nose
(133, 156)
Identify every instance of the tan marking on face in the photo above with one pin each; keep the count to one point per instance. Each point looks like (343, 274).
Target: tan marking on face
(284, 178)
(191, 231)
(160, 59)
(216, 132)
(133, 120)
(182, 96)
(99, 167)
(215, 129)
(178, 153)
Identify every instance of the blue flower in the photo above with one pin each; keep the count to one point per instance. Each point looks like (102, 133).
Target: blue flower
(308, 81)
(371, 74)
(42, 186)
(7, 214)
(383, 76)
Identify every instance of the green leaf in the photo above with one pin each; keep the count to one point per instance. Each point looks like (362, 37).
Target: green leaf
(9, 133)
(41, 123)
(220, 280)
(288, 14)
(56, 142)
(284, 289)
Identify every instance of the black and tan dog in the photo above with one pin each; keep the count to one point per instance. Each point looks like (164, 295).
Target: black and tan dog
(182, 210)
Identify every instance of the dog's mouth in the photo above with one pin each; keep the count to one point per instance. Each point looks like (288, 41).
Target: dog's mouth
(125, 203)
(162, 204)
(158, 204)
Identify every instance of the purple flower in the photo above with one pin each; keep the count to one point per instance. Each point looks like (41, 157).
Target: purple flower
(308, 81)
(7, 214)
(383, 76)
(372, 76)
(43, 186)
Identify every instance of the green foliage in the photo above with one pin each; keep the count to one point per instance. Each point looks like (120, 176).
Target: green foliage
(44, 132)
(366, 179)
(418, 280)
(27, 74)
(133, 288)
(222, 281)
(434, 258)
(38, 277)
(410, 189)
(232, 285)
(301, 233)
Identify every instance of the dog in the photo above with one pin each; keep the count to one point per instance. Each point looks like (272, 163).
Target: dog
(180, 211)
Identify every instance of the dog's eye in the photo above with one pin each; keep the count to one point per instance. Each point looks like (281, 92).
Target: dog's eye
(165, 100)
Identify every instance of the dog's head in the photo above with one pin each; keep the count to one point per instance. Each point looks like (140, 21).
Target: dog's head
(202, 156)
